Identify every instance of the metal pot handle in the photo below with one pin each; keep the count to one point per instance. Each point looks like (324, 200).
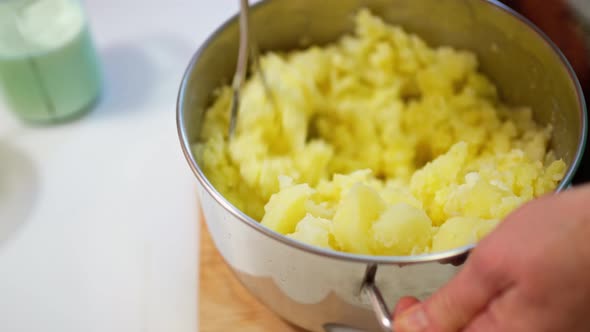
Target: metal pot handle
(370, 290)
(382, 313)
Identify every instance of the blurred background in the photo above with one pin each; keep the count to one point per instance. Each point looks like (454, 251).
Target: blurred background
(98, 214)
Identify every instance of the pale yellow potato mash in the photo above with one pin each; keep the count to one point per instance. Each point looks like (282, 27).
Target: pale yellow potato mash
(377, 144)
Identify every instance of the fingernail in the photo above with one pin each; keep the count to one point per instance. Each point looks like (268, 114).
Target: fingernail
(412, 320)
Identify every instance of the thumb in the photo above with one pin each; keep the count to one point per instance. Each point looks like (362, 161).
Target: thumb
(453, 306)
(404, 304)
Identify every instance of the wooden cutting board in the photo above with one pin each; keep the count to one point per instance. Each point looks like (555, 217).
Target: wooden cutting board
(224, 304)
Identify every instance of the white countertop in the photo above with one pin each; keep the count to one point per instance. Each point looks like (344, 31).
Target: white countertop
(98, 217)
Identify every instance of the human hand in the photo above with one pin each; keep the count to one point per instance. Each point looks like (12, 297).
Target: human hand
(530, 274)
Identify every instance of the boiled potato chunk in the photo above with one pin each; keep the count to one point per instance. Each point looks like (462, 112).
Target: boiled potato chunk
(476, 198)
(402, 230)
(357, 211)
(436, 176)
(319, 209)
(313, 231)
(286, 208)
(394, 195)
(461, 231)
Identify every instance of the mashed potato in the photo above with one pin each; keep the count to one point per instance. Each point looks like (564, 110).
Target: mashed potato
(377, 144)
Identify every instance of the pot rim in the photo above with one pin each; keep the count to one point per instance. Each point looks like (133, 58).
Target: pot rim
(362, 258)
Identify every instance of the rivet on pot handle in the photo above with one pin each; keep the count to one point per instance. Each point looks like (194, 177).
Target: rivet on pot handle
(370, 290)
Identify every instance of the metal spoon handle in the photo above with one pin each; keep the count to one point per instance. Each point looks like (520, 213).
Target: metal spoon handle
(242, 65)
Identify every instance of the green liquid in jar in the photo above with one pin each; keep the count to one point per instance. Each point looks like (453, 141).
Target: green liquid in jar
(46, 83)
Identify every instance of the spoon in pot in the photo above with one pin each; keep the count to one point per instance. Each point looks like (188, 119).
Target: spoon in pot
(242, 66)
(247, 45)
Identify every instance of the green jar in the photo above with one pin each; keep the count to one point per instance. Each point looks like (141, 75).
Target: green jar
(49, 70)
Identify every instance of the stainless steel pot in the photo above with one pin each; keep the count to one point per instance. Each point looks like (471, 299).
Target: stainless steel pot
(319, 289)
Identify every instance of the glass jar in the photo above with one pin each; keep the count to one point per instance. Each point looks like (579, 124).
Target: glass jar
(49, 70)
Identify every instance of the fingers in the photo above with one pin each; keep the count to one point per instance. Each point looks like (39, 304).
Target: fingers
(483, 323)
(404, 304)
(452, 307)
(507, 312)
